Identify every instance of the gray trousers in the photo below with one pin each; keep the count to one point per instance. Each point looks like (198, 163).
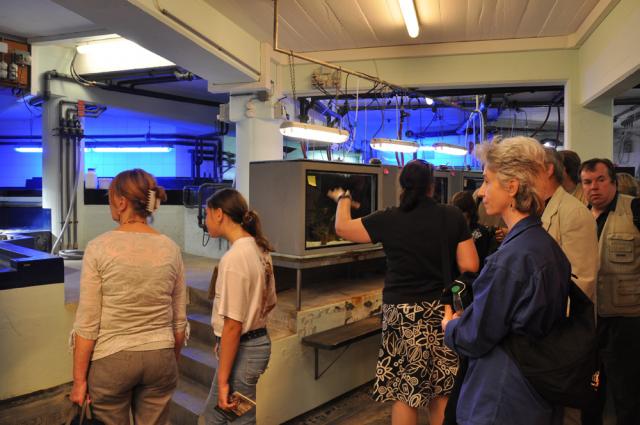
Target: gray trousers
(140, 382)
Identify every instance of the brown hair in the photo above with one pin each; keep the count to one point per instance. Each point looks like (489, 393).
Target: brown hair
(236, 208)
(571, 162)
(464, 202)
(135, 185)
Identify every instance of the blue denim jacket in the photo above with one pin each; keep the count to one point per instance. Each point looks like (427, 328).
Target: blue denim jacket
(523, 288)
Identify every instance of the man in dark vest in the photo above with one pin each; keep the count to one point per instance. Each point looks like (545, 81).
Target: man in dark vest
(618, 288)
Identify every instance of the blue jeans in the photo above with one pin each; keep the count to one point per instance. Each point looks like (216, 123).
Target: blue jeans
(251, 362)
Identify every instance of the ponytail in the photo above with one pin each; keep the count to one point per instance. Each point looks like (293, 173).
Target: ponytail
(416, 180)
(251, 223)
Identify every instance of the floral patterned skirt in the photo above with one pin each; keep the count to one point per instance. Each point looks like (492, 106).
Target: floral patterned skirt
(414, 365)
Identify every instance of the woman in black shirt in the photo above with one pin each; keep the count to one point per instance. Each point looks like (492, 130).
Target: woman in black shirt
(483, 236)
(414, 367)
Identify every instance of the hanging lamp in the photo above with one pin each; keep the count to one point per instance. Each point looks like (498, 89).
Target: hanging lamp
(313, 132)
(394, 145)
(449, 149)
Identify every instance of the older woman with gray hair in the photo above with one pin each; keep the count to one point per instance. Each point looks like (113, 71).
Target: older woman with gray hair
(522, 289)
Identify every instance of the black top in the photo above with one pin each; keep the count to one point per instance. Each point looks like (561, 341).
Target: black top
(602, 218)
(412, 242)
(485, 241)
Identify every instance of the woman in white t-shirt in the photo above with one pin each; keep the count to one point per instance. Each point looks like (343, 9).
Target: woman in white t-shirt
(244, 295)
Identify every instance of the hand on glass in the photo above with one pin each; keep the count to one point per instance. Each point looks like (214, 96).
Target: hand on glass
(336, 193)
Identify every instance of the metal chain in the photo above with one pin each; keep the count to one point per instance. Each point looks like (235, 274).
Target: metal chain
(292, 76)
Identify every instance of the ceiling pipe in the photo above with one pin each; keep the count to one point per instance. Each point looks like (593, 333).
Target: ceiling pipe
(54, 75)
(203, 37)
(130, 74)
(625, 112)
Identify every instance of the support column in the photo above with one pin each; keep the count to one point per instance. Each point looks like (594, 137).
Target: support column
(258, 135)
(51, 171)
(588, 131)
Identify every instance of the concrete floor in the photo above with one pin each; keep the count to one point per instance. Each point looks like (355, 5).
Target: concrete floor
(353, 408)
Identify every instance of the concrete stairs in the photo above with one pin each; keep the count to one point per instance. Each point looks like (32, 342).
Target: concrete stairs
(197, 363)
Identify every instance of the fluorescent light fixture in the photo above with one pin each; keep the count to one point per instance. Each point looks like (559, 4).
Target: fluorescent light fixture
(429, 101)
(426, 148)
(410, 17)
(28, 150)
(317, 133)
(394, 145)
(148, 149)
(449, 149)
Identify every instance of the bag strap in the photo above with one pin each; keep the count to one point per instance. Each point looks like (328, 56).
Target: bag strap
(72, 413)
(76, 409)
(446, 263)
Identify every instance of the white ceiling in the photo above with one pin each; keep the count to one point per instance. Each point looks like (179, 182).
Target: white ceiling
(316, 25)
(40, 18)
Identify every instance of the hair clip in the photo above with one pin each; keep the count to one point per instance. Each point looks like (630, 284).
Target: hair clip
(152, 201)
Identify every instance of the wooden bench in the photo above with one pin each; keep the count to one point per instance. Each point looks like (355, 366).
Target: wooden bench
(342, 336)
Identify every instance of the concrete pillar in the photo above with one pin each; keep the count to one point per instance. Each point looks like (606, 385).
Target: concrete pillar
(588, 130)
(51, 172)
(258, 136)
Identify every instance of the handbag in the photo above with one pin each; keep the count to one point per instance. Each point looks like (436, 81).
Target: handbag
(82, 415)
(463, 281)
(562, 366)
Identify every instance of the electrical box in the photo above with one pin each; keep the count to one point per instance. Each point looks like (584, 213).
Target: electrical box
(15, 65)
(326, 80)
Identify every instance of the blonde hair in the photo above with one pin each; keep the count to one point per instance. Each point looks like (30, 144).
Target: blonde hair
(627, 185)
(521, 159)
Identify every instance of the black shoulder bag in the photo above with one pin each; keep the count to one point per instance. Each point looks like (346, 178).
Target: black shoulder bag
(563, 365)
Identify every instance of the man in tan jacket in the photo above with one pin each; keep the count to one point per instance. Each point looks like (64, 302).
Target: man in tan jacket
(572, 225)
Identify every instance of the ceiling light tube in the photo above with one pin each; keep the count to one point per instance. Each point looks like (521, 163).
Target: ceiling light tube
(316, 133)
(410, 17)
(28, 150)
(147, 149)
(394, 145)
(449, 149)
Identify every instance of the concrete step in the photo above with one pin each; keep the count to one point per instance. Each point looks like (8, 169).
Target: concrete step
(201, 329)
(198, 299)
(188, 402)
(198, 363)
